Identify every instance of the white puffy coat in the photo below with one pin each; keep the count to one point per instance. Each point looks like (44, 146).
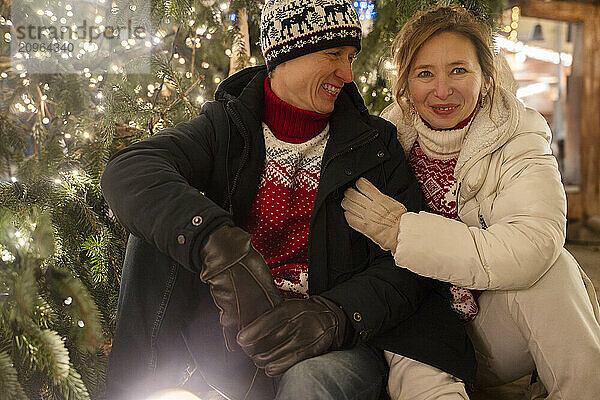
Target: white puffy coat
(510, 200)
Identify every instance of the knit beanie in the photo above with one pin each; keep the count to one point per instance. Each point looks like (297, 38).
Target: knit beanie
(293, 28)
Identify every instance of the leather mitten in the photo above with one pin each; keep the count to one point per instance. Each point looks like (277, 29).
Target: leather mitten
(240, 282)
(293, 331)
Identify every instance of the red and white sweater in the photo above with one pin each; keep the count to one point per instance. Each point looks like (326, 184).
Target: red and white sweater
(432, 160)
(279, 218)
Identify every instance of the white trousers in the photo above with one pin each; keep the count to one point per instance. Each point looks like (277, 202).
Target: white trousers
(552, 326)
(414, 380)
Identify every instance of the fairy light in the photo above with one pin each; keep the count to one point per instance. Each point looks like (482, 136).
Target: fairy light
(228, 52)
(253, 60)
(45, 120)
(205, 65)
(217, 80)
(68, 136)
(200, 99)
(6, 256)
(86, 134)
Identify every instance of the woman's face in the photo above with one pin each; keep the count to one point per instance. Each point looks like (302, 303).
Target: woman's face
(445, 80)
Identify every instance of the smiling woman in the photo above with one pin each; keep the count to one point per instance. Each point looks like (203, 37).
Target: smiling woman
(446, 80)
(497, 219)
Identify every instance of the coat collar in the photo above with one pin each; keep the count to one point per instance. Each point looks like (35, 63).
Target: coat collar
(492, 126)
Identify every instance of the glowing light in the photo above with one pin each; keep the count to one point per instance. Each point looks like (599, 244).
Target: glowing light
(200, 99)
(217, 80)
(80, 324)
(205, 65)
(224, 6)
(57, 181)
(228, 52)
(86, 135)
(13, 179)
(98, 19)
(68, 136)
(173, 395)
(68, 300)
(40, 12)
(45, 120)
(253, 60)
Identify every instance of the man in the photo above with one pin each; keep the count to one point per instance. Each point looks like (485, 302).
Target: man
(271, 158)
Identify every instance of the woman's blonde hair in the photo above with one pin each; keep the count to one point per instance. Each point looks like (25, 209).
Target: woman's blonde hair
(426, 24)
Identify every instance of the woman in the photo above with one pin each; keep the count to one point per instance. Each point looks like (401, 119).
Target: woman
(498, 211)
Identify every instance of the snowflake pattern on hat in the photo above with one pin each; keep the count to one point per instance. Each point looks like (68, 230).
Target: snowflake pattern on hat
(292, 28)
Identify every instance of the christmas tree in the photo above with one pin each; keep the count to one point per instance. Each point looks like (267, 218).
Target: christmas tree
(73, 90)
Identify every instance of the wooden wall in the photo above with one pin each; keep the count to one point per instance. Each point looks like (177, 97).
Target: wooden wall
(586, 202)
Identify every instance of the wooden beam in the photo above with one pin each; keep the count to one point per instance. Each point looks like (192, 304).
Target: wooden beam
(568, 11)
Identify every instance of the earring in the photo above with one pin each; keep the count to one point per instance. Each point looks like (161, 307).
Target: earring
(482, 99)
(412, 109)
(411, 106)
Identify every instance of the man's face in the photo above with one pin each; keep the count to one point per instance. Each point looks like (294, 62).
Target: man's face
(312, 82)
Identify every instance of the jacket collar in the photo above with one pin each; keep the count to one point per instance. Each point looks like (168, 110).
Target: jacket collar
(246, 90)
(492, 126)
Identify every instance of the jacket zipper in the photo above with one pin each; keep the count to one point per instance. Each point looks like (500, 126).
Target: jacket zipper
(244, 132)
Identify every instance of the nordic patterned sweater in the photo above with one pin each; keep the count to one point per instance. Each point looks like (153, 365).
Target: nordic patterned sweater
(279, 218)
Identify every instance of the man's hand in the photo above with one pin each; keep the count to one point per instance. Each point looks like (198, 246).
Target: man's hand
(293, 331)
(241, 284)
(373, 214)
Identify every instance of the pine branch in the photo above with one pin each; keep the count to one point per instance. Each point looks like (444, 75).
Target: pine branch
(10, 388)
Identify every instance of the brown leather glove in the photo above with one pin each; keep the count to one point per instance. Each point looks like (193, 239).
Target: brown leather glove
(293, 331)
(241, 284)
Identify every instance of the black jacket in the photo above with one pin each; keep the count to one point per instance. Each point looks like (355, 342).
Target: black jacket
(210, 167)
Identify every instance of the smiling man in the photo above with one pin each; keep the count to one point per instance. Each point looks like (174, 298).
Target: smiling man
(241, 207)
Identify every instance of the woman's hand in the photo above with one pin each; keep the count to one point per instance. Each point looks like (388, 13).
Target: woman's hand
(373, 214)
